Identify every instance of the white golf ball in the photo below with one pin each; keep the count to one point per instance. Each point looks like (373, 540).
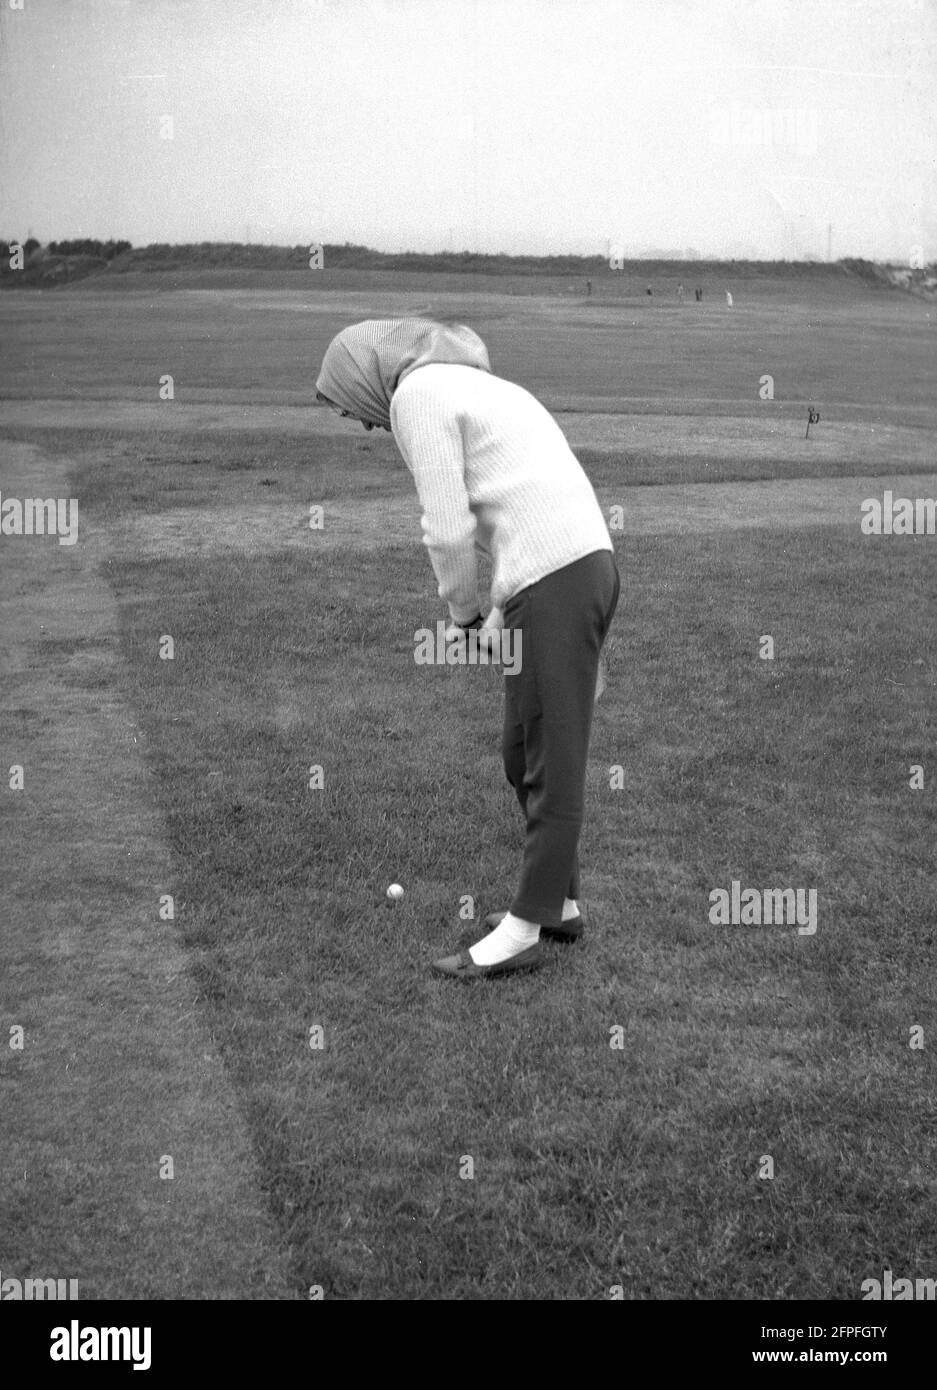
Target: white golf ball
(394, 893)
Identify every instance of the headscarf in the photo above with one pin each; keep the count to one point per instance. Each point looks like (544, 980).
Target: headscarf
(364, 364)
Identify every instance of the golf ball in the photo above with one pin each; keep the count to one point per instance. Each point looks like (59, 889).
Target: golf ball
(394, 893)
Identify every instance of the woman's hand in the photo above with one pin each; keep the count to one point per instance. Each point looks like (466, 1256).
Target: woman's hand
(456, 631)
(492, 625)
(486, 629)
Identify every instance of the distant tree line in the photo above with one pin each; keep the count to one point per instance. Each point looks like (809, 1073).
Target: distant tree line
(60, 262)
(348, 256)
(104, 250)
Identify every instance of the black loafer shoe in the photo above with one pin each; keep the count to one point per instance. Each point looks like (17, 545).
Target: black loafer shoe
(568, 931)
(462, 967)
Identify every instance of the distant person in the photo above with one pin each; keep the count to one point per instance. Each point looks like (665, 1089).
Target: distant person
(699, 296)
(588, 287)
(649, 290)
(494, 473)
(680, 291)
(728, 299)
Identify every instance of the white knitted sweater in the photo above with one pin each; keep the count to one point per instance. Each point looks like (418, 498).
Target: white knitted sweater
(492, 469)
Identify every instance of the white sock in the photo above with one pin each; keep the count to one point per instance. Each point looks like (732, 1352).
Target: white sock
(511, 936)
(570, 909)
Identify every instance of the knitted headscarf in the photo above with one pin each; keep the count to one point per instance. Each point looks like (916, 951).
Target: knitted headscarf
(364, 364)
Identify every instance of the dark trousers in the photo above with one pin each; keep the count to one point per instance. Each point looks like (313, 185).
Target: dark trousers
(563, 619)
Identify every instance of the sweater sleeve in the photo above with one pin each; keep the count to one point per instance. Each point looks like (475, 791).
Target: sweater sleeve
(429, 435)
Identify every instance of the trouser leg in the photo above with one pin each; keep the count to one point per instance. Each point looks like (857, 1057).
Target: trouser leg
(562, 621)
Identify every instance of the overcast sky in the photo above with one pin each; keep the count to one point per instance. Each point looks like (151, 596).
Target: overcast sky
(735, 127)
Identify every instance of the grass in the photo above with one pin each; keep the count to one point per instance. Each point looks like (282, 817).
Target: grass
(149, 472)
(824, 340)
(592, 1166)
(116, 1067)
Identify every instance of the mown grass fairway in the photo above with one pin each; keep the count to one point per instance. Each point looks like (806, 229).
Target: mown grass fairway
(594, 1166)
